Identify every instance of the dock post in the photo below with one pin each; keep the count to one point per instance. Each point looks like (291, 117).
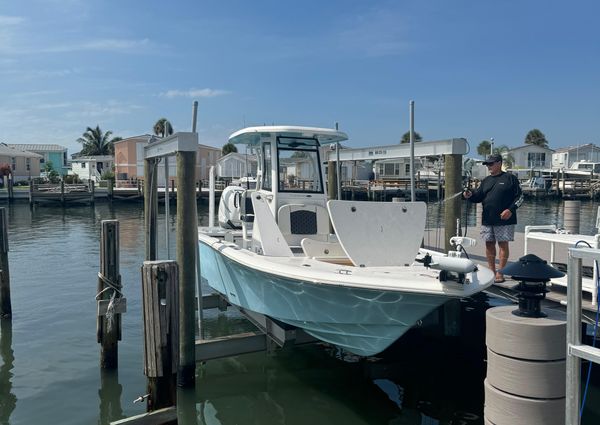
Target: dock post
(453, 204)
(571, 216)
(111, 189)
(187, 255)
(110, 298)
(92, 192)
(332, 180)
(150, 207)
(11, 192)
(31, 193)
(5, 304)
(161, 335)
(62, 192)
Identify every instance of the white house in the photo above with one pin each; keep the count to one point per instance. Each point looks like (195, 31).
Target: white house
(531, 156)
(235, 165)
(565, 157)
(92, 167)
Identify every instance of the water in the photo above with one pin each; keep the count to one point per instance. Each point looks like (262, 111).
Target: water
(49, 356)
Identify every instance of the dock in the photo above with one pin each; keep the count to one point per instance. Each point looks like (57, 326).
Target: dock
(556, 298)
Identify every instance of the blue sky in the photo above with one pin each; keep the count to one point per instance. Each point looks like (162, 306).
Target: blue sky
(475, 69)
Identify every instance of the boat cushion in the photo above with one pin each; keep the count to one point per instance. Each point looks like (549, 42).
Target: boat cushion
(379, 233)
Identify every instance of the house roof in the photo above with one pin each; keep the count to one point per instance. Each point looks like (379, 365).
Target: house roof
(140, 137)
(7, 150)
(530, 145)
(238, 156)
(575, 147)
(33, 147)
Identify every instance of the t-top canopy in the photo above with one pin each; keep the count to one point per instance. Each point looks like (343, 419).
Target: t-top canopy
(253, 135)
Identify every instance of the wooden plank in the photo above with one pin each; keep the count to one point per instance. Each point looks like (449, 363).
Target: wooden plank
(120, 307)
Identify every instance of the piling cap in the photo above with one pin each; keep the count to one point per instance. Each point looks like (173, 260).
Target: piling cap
(531, 268)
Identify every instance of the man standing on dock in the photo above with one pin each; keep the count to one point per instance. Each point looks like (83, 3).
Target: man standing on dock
(500, 194)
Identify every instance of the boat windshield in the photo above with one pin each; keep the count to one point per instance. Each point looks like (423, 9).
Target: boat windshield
(299, 165)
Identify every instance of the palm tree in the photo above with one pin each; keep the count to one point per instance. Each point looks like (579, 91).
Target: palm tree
(483, 148)
(406, 137)
(536, 137)
(96, 142)
(163, 127)
(228, 148)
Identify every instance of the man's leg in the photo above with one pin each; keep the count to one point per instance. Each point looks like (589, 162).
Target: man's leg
(490, 254)
(503, 253)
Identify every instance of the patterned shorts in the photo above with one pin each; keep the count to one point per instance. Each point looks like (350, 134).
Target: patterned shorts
(498, 233)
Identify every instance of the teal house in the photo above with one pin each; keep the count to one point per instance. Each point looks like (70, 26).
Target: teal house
(50, 153)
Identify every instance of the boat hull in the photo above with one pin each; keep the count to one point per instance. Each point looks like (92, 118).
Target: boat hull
(361, 321)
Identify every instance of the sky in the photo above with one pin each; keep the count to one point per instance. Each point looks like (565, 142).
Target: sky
(477, 69)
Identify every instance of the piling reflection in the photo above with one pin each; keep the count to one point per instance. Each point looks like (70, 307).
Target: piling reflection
(186, 406)
(110, 397)
(8, 400)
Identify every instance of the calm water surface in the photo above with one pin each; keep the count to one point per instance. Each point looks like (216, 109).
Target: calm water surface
(49, 356)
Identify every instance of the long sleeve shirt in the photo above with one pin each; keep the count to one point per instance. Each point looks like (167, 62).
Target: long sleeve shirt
(498, 193)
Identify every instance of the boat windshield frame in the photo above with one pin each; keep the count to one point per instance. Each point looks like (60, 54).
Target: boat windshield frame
(307, 148)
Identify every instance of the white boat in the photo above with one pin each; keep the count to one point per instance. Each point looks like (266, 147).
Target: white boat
(361, 287)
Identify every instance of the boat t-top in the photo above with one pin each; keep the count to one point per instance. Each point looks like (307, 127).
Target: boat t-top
(350, 273)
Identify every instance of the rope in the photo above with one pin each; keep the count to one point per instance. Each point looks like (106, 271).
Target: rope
(114, 300)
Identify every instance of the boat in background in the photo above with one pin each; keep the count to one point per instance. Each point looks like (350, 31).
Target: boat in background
(359, 288)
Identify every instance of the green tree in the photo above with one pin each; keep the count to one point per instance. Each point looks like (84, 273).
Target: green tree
(96, 142)
(51, 173)
(163, 128)
(228, 148)
(484, 147)
(406, 137)
(536, 137)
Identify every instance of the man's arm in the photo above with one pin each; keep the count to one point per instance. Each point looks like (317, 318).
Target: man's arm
(518, 198)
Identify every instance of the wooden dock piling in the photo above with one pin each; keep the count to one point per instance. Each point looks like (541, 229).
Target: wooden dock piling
(5, 303)
(111, 303)
(150, 207)
(160, 297)
(453, 204)
(187, 246)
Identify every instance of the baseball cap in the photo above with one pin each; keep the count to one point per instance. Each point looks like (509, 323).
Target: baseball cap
(492, 158)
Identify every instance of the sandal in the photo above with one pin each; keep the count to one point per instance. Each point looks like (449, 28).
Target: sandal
(499, 278)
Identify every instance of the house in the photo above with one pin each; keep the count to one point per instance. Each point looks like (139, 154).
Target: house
(531, 156)
(235, 165)
(565, 157)
(91, 167)
(55, 154)
(129, 160)
(23, 164)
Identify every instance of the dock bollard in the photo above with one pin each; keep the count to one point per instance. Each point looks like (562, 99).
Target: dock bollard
(525, 381)
(571, 216)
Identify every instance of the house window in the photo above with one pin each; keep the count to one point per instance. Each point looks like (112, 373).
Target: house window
(13, 162)
(407, 169)
(83, 165)
(28, 164)
(536, 159)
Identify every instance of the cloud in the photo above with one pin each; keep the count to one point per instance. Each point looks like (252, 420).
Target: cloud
(109, 44)
(379, 32)
(194, 93)
(10, 20)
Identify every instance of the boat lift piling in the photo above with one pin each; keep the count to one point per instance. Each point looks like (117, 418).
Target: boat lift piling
(5, 303)
(110, 301)
(184, 147)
